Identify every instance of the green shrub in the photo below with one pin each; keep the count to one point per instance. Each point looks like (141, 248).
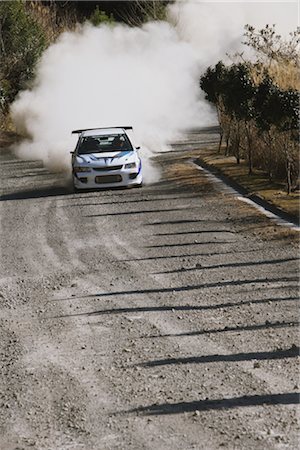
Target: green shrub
(21, 43)
(98, 17)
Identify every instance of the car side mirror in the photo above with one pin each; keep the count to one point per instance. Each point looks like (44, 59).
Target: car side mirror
(137, 148)
(72, 153)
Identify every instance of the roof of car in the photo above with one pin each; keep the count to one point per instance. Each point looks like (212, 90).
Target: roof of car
(102, 131)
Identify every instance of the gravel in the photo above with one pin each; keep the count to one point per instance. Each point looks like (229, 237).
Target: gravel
(156, 318)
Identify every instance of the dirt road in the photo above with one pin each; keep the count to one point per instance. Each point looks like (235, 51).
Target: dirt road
(155, 318)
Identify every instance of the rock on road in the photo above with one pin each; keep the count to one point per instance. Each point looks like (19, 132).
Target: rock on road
(155, 318)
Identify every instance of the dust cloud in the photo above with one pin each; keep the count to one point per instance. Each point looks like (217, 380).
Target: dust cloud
(215, 28)
(116, 75)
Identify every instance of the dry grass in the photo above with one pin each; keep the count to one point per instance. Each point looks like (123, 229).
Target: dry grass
(286, 76)
(52, 23)
(186, 175)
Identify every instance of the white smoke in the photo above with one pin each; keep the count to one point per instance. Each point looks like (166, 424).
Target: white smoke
(115, 75)
(215, 28)
(109, 76)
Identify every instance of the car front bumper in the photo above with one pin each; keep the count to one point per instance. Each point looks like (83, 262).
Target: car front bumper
(107, 179)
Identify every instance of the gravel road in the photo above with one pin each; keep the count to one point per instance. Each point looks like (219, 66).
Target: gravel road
(155, 318)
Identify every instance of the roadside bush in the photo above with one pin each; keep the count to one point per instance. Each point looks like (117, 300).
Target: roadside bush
(98, 17)
(138, 12)
(258, 116)
(22, 41)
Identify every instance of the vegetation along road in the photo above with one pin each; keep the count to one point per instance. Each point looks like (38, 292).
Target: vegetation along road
(155, 318)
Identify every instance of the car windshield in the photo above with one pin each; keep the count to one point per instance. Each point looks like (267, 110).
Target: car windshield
(104, 143)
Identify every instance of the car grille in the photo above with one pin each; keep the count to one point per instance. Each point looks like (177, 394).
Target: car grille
(105, 179)
(107, 168)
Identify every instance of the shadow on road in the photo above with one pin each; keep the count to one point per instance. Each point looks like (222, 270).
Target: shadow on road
(144, 211)
(186, 244)
(121, 201)
(183, 233)
(37, 193)
(254, 281)
(188, 255)
(174, 308)
(292, 352)
(219, 266)
(180, 222)
(290, 398)
(52, 191)
(255, 327)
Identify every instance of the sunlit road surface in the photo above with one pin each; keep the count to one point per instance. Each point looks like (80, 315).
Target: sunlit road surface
(155, 318)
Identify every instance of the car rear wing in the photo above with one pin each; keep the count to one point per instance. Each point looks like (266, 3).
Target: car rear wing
(99, 128)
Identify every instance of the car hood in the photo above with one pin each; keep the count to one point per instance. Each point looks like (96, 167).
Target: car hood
(106, 159)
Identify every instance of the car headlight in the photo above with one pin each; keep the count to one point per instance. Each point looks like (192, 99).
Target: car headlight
(130, 165)
(81, 169)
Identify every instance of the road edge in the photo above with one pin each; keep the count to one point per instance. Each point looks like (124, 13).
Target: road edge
(246, 193)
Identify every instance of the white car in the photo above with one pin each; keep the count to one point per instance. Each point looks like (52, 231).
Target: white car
(105, 158)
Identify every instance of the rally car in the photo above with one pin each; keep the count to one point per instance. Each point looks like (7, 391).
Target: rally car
(105, 158)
